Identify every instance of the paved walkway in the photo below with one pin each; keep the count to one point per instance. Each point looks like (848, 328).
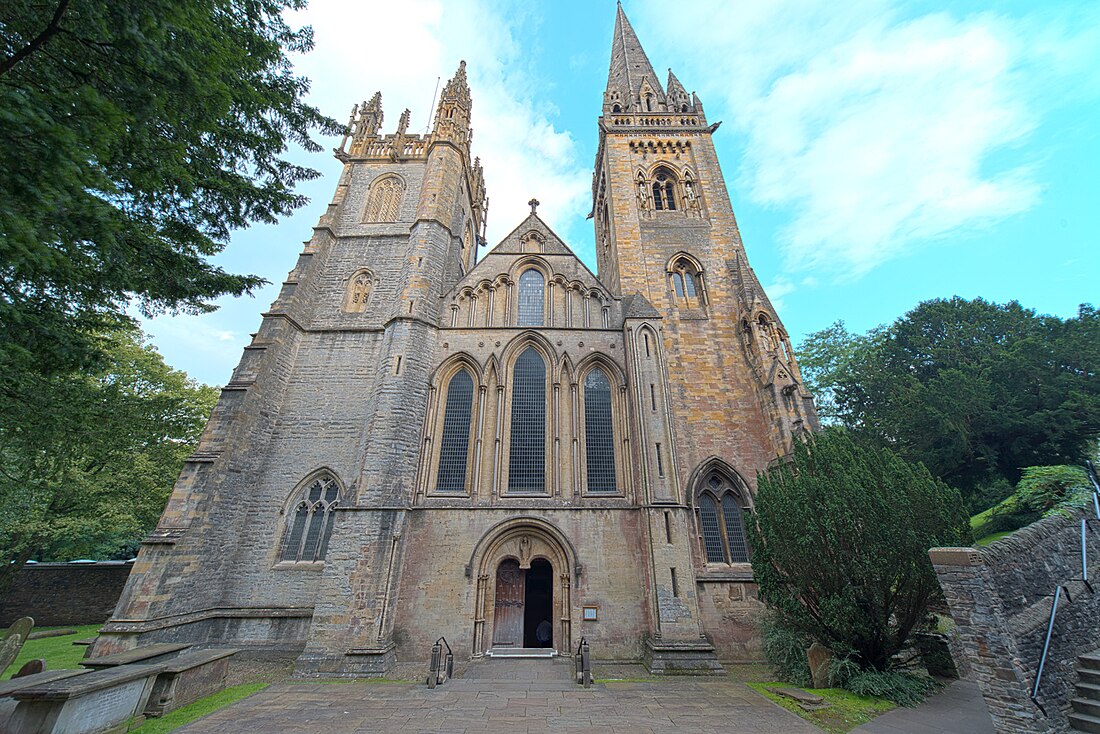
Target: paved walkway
(506, 696)
(959, 709)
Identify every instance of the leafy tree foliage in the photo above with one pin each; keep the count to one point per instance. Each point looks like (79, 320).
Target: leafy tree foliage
(89, 472)
(840, 544)
(974, 390)
(1043, 488)
(137, 134)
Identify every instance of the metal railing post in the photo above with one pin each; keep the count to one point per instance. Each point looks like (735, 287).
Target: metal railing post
(586, 664)
(433, 672)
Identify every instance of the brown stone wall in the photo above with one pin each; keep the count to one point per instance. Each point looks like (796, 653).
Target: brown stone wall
(56, 594)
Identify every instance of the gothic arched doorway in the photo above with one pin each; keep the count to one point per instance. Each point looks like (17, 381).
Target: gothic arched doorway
(523, 596)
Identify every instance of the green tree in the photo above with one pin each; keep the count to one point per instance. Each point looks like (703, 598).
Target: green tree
(840, 539)
(976, 391)
(137, 135)
(90, 471)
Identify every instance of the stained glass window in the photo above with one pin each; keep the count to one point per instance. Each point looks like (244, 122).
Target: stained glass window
(311, 526)
(531, 287)
(527, 462)
(455, 443)
(599, 437)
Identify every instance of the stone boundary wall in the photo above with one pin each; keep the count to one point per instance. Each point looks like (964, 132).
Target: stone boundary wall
(1000, 598)
(58, 594)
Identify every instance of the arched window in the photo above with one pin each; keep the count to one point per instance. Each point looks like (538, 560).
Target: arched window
(686, 283)
(531, 289)
(454, 445)
(384, 202)
(664, 190)
(359, 288)
(722, 522)
(599, 438)
(527, 455)
(311, 524)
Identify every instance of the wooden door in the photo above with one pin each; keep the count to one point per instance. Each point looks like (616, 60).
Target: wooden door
(508, 608)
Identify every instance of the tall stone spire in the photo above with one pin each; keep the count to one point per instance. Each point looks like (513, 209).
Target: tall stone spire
(631, 82)
(678, 99)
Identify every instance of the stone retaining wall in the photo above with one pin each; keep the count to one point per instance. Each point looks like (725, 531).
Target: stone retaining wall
(1000, 597)
(57, 594)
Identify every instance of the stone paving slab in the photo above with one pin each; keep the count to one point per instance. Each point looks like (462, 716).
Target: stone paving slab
(667, 706)
(958, 709)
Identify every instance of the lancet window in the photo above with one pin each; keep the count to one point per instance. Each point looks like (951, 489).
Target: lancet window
(527, 454)
(532, 289)
(599, 436)
(687, 283)
(384, 201)
(722, 521)
(310, 525)
(455, 443)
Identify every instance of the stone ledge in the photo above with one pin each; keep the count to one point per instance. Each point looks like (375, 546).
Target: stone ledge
(956, 557)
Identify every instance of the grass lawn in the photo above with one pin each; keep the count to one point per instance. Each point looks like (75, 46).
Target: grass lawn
(59, 652)
(198, 709)
(993, 538)
(846, 710)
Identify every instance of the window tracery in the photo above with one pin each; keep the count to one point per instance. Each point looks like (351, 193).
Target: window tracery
(722, 521)
(686, 282)
(310, 526)
(359, 289)
(384, 201)
(664, 190)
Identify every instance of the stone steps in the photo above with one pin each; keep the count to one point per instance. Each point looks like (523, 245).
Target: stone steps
(1085, 715)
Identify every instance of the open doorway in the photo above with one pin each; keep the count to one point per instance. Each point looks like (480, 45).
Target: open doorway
(538, 607)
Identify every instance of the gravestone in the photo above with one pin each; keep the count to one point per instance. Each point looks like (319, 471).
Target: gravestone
(818, 657)
(13, 641)
(31, 667)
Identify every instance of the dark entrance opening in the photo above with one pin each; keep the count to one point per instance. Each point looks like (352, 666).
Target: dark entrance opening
(538, 607)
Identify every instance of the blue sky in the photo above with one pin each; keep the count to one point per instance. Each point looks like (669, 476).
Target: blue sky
(877, 153)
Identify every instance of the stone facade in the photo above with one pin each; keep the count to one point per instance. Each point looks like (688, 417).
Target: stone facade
(1000, 598)
(420, 443)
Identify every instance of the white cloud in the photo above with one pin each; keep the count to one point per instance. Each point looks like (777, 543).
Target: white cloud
(873, 133)
(402, 48)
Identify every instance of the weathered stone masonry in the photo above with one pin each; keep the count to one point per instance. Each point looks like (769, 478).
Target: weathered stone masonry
(659, 388)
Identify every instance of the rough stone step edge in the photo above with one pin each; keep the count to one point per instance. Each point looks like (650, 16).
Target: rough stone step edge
(1089, 723)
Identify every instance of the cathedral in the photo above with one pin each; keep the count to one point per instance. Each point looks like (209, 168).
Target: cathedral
(509, 451)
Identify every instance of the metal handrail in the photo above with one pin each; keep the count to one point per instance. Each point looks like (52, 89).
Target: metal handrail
(1090, 470)
(441, 667)
(583, 661)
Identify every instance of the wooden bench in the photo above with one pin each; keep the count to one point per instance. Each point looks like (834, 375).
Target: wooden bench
(156, 653)
(187, 678)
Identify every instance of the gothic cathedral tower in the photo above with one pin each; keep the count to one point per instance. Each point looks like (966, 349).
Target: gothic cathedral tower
(665, 228)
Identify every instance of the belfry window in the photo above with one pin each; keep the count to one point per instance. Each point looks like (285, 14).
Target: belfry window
(527, 454)
(311, 524)
(531, 297)
(599, 437)
(384, 202)
(686, 283)
(664, 190)
(722, 522)
(455, 444)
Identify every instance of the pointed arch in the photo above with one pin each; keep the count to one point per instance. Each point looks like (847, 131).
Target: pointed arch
(358, 290)
(454, 447)
(387, 192)
(527, 425)
(685, 280)
(665, 184)
(721, 498)
(309, 515)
